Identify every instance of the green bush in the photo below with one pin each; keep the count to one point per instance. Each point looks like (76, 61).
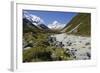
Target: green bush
(42, 51)
(36, 53)
(59, 54)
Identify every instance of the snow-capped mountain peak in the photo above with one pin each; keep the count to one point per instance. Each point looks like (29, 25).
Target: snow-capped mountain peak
(56, 25)
(33, 18)
(36, 19)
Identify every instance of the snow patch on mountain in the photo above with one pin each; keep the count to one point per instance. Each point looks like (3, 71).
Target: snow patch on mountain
(33, 18)
(56, 25)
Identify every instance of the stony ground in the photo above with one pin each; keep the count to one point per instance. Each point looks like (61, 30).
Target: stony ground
(79, 47)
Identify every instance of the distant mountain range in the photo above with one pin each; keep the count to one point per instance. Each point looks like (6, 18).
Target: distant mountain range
(40, 23)
(80, 24)
(56, 25)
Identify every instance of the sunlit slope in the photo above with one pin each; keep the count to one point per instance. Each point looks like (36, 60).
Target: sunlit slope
(79, 25)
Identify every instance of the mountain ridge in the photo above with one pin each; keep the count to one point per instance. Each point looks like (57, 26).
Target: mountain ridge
(35, 20)
(84, 19)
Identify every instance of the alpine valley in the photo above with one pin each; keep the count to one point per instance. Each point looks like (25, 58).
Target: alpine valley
(56, 41)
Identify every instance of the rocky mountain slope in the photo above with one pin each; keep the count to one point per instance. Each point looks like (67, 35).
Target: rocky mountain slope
(33, 23)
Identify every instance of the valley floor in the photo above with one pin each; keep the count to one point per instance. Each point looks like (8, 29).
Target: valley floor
(79, 46)
(57, 47)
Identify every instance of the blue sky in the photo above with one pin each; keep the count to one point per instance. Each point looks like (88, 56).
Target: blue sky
(51, 16)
